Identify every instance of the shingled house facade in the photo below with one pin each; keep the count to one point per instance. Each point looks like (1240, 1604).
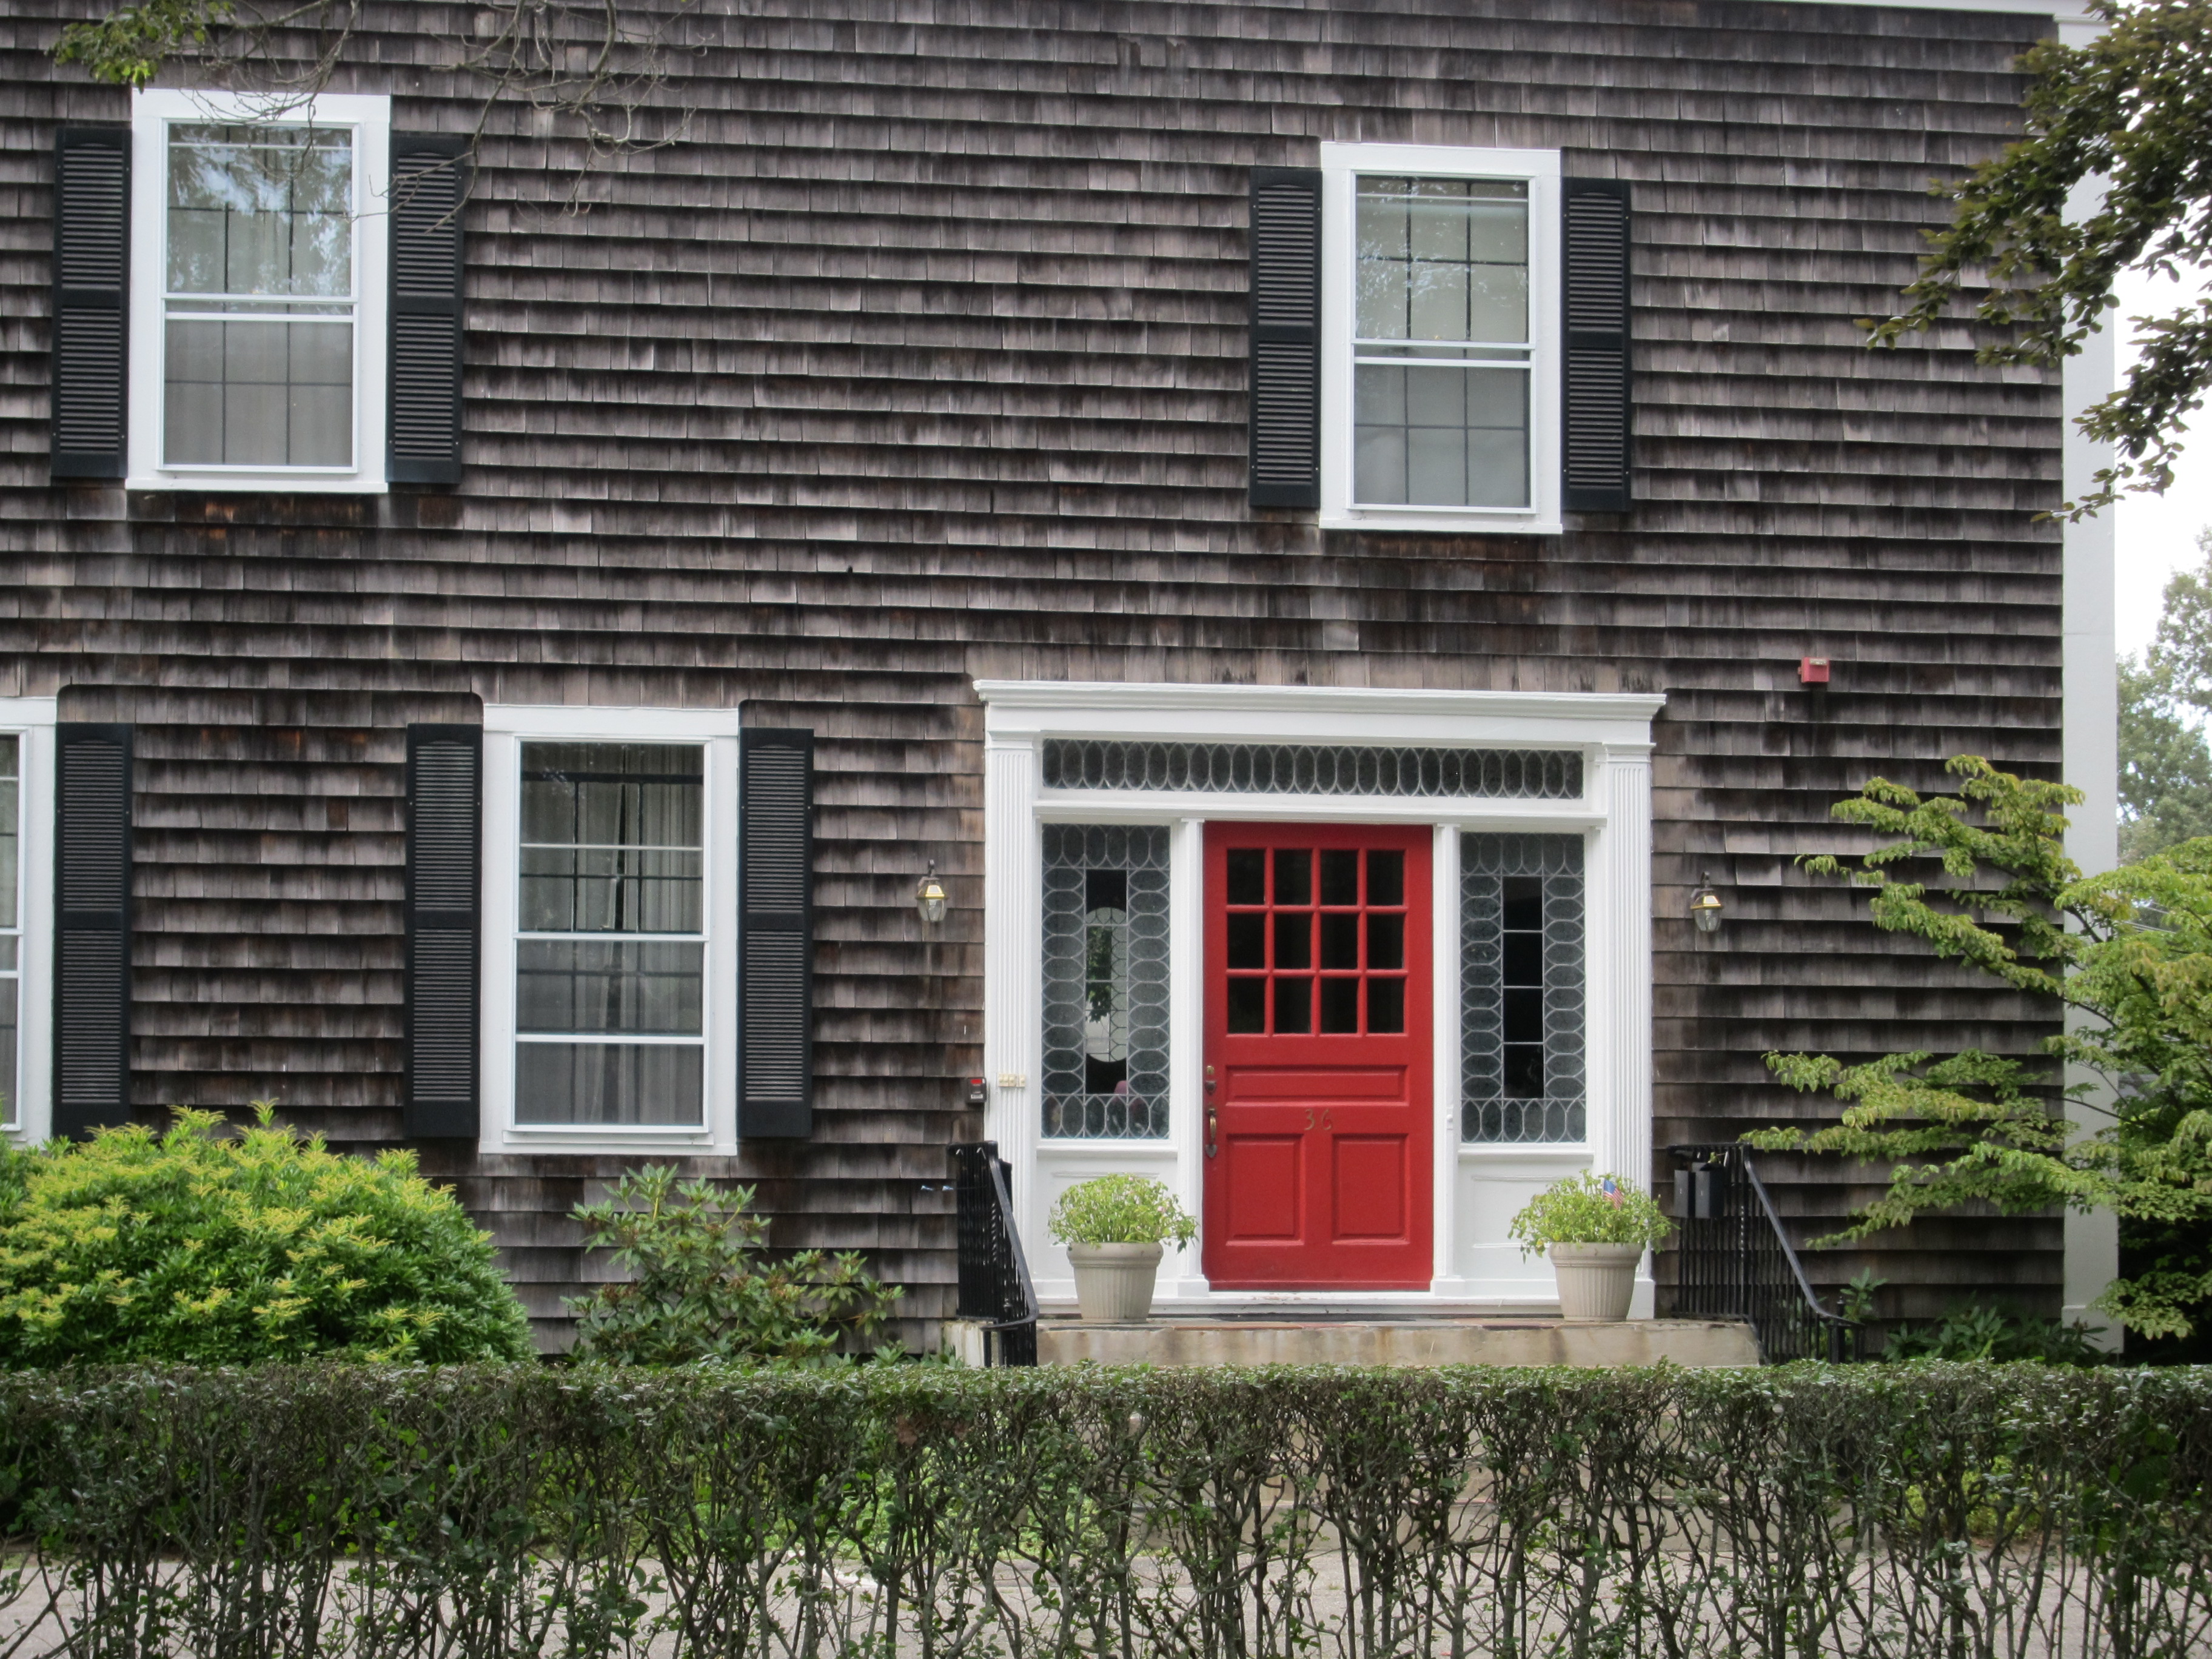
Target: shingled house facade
(1321, 526)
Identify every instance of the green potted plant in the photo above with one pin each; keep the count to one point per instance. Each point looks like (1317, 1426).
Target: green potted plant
(1596, 1228)
(1114, 1227)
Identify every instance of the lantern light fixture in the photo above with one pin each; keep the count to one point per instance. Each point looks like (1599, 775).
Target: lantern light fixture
(1705, 906)
(929, 896)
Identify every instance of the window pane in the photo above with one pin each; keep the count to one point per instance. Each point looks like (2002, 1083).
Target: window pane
(1443, 259)
(609, 1083)
(258, 393)
(1106, 980)
(1432, 436)
(260, 210)
(605, 985)
(612, 838)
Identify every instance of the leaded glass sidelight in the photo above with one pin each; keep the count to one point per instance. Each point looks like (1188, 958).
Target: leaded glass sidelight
(1105, 981)
(1521, 998)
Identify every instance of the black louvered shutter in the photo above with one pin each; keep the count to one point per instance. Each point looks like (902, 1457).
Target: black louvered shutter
(92, 315)
(445, 855)
(92, 928)
(1285, 337)
(775, 933)
(1597, 311)
(429, 178)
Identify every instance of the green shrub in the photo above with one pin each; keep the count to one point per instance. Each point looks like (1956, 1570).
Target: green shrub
(1807, 1512)
(1969, 1333)
(703, 1286)
(1121, 1209)
(1590, 1209)
(191, 1245)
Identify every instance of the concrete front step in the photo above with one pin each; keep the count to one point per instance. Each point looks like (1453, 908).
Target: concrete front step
(1400, 1341)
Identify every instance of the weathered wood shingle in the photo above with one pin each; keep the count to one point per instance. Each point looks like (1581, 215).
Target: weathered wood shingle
(921, 359)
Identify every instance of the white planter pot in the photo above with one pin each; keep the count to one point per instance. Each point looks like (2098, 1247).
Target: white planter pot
(1595, 1281)
(1114, 1282)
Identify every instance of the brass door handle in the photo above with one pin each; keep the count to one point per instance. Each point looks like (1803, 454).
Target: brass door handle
(1212, 1130)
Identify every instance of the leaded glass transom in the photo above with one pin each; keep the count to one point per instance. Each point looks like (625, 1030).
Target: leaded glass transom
(1105, 981)
(1521, 997)
(1312, 768)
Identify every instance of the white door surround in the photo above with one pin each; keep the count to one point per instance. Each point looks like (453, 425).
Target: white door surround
(1477, 1186)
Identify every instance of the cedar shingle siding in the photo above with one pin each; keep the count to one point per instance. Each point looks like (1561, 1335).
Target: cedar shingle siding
(922, 359)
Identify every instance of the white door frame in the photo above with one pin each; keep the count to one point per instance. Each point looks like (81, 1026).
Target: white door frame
(1612, 732)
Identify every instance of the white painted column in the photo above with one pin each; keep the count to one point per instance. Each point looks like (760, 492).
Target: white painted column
(2090, 744)
(1620, 979)
(1445, 960)
(1187, 1042)
(1013, 989)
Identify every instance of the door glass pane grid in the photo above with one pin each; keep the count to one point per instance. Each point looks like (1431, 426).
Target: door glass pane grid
(11, 925)
(1315, 941)
(1105, 981)
(1296, 768)
(258, 289)
(1441, 354)
(611, 942)
(1522, 998)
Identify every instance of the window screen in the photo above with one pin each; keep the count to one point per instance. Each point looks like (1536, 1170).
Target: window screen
(258, 293)
(611, 946)
(1522, 994)
(1105, 981)
(1441, 348)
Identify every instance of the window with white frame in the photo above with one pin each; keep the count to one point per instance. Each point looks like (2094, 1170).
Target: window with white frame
(27, 916)
(1441, 336)
(258, 329)
(609, 927)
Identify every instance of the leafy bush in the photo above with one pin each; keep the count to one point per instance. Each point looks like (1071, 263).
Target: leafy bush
(191, 1245)
(703, 1286)
(1590, 1209)
(1971, 1334)
(1121, 1209)
(1810, 1512)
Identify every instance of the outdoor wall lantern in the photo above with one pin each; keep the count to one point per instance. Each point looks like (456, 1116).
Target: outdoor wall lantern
(929, 896)
(1705, 908)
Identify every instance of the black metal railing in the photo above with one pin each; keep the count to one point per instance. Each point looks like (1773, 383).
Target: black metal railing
(1734, 1260)
(994, 1275)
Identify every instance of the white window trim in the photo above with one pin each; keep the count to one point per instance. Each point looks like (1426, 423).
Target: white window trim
(31, 1090)
(1340, 165)
(1614, 732)
(152, 111)
(506, 728)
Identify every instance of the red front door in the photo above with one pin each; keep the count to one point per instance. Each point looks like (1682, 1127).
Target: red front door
(1317, 1057)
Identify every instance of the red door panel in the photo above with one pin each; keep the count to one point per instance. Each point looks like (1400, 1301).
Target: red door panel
(1318, 1129)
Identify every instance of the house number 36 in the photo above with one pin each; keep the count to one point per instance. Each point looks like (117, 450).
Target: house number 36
(1326, 1122)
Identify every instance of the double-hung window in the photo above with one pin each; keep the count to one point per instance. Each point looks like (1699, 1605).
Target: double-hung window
(258, 296)
(1440, 338)
(610, 891)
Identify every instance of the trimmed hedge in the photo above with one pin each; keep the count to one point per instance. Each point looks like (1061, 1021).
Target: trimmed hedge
(1943, 1509)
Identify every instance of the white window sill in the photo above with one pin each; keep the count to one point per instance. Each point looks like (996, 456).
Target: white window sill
(288, 483)
(609, 1138)
(1464, 524)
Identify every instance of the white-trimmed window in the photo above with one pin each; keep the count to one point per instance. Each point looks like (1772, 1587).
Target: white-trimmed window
(1440, 338)
(610, 895)
(27, 877)
(257, 292)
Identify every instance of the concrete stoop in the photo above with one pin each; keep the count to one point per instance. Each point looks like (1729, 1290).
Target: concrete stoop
(1174, 1340)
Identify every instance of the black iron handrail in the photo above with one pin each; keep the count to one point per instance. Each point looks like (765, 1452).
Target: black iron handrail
(1736, 1262)
(994, 1275)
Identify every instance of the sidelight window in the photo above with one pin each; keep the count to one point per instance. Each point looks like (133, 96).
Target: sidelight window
(1522, 989)
(1105, 981)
